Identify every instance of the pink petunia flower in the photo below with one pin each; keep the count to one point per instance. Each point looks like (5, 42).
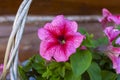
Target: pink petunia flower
(111, 33)
(106, 13)
(114, 50)
(104, 20)
(114, 55)
(59, 39)
(116, 62)
(109, 17)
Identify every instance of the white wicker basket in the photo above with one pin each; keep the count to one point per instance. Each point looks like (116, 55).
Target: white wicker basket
(12, 50)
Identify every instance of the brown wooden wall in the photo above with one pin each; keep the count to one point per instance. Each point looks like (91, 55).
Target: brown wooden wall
(46, 7)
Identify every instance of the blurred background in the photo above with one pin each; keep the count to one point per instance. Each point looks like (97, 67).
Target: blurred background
(66, 7)
(85, 12)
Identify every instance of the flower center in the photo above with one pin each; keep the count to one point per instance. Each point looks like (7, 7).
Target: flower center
(61, 39)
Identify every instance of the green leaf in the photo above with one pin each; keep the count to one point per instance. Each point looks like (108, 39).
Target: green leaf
(88, 42)
(63, 71)
(57, 69)
(118, 77)
(101, 41)
(34, 62)
(38, 58)
(28, 65)
(82, 30)
(40, 78)
(70, 76)
(54, 65)
(47, 74)
(94, 72)
(38, 64)
(118, 27)
(80, 62)
(67, 65)
(39, 67)
(107, 75)
(22, 73)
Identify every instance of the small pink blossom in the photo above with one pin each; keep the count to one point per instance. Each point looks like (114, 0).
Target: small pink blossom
(109, 17)
(59, 39)
(111, 33)
(114, 50)
(83, 48)
(116, 62)
(113, 54)
(105, 14)
(1, 68)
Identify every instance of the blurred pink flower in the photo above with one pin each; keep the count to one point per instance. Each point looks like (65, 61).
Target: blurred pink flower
(109, 17)
(116, 62)
(59, 39)
(111, 33)
(115, 19)
(104, 20)
(83, 48)
(114, 50)
(114, 55)
(1, 68)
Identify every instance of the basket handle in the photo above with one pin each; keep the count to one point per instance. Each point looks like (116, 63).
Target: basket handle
(14, 41)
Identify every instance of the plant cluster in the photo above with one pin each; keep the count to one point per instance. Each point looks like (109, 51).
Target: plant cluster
(67, 53)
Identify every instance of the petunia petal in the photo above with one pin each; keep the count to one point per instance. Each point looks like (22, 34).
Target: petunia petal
(111, 33)
(114, 60)
(75, 39)
(43, 34)
(114, 50)
(60, 54)
(52, 29)
(47, 49)
(104, 22)
(118, 41)
(116, 65)
(70, 49)
(118, 70)
(1, 68)
(115, 19)
(71, 26)
(105, 12)
(104, 19)
(58, 21)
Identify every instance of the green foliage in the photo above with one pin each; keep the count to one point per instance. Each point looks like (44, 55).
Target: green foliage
(22, 73)
(82, 30)
(118, 77)
(88, 42)
(94, 72)
(118, 27)
(101, 41)
(70, 76)
(107, 75)
(80, 62)
(42, 70)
